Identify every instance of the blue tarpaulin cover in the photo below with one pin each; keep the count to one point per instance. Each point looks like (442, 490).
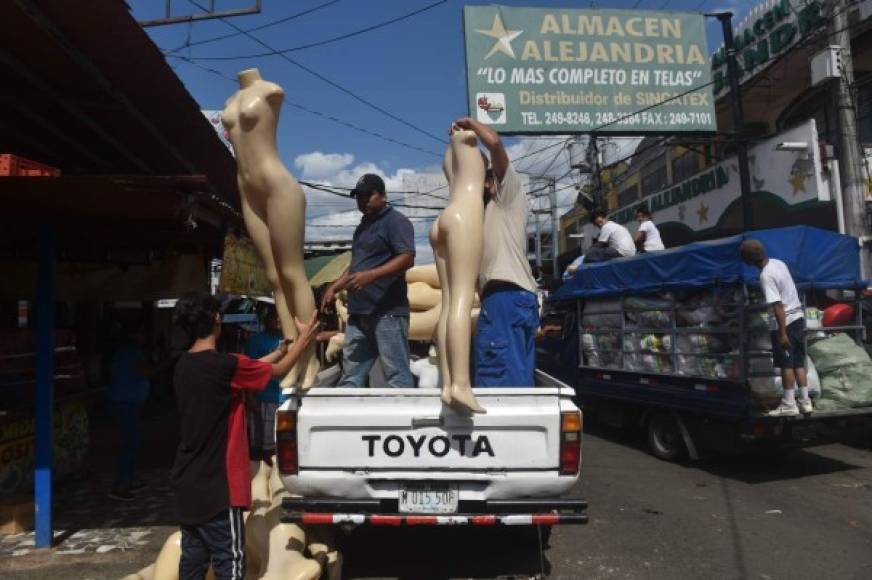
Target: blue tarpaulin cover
(816, 258)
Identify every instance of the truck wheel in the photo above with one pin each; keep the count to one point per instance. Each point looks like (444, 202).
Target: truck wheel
(664, 437)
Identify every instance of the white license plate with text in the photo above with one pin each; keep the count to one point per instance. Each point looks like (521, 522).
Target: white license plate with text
(429, 498)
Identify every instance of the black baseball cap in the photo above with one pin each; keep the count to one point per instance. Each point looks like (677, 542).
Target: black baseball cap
(367, 184)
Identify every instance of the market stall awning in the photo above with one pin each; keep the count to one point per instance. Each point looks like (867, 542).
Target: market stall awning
(87, 91)
(329, 271)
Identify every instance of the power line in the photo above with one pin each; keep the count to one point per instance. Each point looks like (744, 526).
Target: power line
(325, 79)
(309, 110)
(327, 40)
(189, 44)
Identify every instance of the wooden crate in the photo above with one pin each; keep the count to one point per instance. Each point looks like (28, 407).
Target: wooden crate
(16, 166)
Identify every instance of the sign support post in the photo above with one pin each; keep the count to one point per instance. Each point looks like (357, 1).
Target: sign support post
(726, 19)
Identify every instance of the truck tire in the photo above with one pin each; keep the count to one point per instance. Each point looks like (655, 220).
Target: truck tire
(664, 437)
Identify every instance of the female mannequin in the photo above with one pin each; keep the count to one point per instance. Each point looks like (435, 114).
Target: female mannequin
(273, 205)
(456, 238)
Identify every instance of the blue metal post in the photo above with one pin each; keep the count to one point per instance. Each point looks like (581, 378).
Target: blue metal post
(45, 339)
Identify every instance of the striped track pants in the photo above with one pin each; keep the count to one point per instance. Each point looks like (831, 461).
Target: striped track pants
(220, 542)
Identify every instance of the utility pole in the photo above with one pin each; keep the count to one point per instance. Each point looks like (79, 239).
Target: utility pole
(850, 156)
(554, 246)
(726, 19)
(555, 228)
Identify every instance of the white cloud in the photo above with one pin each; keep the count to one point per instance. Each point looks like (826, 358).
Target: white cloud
(317, 165)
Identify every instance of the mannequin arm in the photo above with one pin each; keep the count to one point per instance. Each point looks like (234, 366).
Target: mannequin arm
(396, 265)
(490, 139)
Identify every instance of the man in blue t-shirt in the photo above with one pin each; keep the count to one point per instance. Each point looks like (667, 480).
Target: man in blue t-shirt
(128, 391)
(383, 249)
(262, 412)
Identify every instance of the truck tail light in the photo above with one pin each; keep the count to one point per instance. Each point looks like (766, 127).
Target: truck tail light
(570, 442)
(286, 442)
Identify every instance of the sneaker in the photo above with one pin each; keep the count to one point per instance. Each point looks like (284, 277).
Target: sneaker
(805, 406)
(121, 495)
(784, 409)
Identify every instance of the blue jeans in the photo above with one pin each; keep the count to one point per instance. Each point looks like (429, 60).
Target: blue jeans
(128, 420)
(382, 336)
(505, 342)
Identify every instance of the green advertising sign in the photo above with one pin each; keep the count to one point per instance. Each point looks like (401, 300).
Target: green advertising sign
(540, 70)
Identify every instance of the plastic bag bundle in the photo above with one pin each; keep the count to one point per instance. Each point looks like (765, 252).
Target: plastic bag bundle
(845, 372)
(656, 363)
(689, 365)
(604, 313)
(836, 352)
(656, 343)
(649, 312)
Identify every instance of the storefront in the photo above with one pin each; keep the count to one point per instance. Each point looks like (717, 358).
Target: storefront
(139, 198)
(691, 185)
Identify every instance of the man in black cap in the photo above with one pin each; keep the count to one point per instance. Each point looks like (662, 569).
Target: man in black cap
(378, 305)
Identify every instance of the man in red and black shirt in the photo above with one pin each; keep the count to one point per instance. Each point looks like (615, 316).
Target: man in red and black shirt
(210, 476)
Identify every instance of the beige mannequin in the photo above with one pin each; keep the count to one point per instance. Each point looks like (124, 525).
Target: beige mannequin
(427, 274)
(274, 551)
(423, 296)
(273, 206)
(456, 238)
(422, 325)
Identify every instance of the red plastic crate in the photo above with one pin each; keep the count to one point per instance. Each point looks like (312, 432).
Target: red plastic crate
(14, 165)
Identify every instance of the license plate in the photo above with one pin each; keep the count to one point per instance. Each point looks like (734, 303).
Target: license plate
(429, 499)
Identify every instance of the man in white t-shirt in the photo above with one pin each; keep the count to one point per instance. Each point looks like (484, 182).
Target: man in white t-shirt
(647, 236)
(788, 339)
(505, 347)
(614, 240)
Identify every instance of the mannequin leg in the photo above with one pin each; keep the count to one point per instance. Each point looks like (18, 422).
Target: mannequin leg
(284, 559)
(286, 213)
(442, 327)
(259, 233)
(166, 567)
(461, 280)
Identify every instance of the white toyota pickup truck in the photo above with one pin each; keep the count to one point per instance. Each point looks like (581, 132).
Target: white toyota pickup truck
(384, 456)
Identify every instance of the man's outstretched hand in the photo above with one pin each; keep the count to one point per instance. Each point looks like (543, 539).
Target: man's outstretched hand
(307, 332)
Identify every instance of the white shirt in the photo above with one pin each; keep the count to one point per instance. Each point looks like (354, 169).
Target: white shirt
(617, 237)
(504, 255)
(778, 286)
(652, 242)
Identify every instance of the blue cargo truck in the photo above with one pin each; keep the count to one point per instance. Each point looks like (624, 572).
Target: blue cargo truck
(678, 342)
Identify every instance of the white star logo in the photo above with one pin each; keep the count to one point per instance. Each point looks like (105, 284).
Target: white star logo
(504, 37)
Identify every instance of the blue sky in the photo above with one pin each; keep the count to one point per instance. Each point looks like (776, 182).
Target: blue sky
(413, 68)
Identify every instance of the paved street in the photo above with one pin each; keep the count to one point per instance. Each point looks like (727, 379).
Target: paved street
(805, 515)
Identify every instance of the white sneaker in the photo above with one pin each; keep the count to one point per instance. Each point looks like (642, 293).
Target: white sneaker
(784, 409)
(805, 406)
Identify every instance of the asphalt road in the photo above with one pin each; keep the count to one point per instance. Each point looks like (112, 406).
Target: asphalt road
(806, 514)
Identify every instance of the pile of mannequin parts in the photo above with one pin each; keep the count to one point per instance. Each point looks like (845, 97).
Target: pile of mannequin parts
(273, 550)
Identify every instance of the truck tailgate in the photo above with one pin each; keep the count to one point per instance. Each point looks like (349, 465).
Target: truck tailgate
(410, 429)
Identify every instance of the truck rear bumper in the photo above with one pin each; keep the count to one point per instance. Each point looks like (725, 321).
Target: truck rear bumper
(527, 512)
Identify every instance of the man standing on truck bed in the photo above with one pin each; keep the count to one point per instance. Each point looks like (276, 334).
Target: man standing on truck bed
(383, 248)
(788, 340)
(506, 334)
